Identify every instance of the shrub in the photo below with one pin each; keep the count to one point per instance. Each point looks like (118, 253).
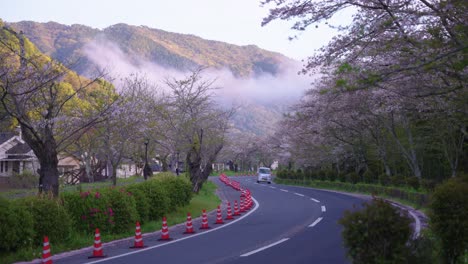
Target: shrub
(342, 177)
(353, 177)
(322, 175)
(376, 234)
(16, 226)
(449, 218)
(428, 184)
(368, 176)
(384, 179)
(25, 180)
(50, 218)
(332, 175)
(89, 210)
(398, 180)
(158, 198)
(179, 190)
(141, 200)
(123, 206)
(413, 182)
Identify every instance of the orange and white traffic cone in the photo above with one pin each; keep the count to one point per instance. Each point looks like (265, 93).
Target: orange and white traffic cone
(97, 250)
(219, 217)
(46, 256)
(138, 238)
(204, 221)
(188, 225)
(236, 209)
(165, 230)
(242, 208)
(229, 213)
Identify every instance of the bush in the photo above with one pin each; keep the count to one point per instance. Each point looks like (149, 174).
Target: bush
(122, 209)
(369, 176)
(25, 180)
(158, 198)
(141, 200)
(428, 184)
(332, 175)
(449, 218)
(342, 177)
(384, 179)
(353, 177)
(376, 234)
(179, 190)
(16, 226)
(413, 182)
(398, 180)
(50, 218)
(89, 210)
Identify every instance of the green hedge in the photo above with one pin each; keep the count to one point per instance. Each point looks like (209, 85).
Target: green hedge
(16, 226)
(142, 201)
(158, 197)
(420, 199)
(123, 207)
(49, 217)
(179, 190)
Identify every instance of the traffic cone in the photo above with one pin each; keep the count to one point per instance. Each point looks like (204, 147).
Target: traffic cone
(46, 256)
(236, 209)
(242, 208)
(164, 231)
(204, 220)
(138, 238)
(229, 213)
(188, 225)
(219, 217)
(97, 251)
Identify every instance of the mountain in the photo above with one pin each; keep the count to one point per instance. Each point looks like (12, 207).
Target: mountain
(173, 50)
(180, 52)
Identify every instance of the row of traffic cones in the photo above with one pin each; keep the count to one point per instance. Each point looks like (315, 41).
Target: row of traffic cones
(138, 243)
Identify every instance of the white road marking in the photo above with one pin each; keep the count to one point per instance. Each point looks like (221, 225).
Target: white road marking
(316, 222)
(315, 200)
(263, 248)
(272, 187)
(283, 190)
(298, 194)
(179, 239)
(323, 208)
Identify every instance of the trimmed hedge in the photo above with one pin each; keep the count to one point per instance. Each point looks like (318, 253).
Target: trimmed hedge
(179, 190)
(124, 209)
(158, 197)
(16, 226)
(49, 218)
(141, 200)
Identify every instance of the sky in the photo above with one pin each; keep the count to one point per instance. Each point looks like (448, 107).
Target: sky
(233, 21)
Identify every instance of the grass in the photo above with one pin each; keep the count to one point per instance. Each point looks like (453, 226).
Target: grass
(205, 199)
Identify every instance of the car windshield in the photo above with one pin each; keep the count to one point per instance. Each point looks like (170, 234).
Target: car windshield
(264, 171)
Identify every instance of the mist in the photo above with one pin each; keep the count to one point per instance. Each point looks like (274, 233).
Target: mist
(284, 88)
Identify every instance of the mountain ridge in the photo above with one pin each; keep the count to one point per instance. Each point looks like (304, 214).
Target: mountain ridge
(174, 50)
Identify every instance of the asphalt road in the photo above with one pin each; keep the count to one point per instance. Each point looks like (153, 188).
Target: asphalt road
(287, 225)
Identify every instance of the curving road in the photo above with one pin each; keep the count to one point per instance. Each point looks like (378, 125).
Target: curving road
(287, 225)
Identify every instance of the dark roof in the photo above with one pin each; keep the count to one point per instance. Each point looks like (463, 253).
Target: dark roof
(20, 148)
(5, 136)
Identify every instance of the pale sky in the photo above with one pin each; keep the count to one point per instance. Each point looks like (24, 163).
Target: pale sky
(233, 21)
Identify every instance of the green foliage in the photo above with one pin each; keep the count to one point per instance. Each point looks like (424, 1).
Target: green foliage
(123, 207)
(158, 198)
(342, 177)
(25, 180)
(353, 177)
(413, 182)
(384, 179)
(179, 190)
(428, 184)
(376, 234)
(50, 218)
(369, 176)
(89, 210)
(449, 218)
(16, 226)
(141, 200)
(331, 175)
(398, 180)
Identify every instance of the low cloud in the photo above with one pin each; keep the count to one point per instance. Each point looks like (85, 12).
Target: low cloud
(283, 88)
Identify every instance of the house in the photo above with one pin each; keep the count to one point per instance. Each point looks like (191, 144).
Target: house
(17, 157)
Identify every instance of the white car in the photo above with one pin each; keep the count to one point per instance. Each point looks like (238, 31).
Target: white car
(264, 175)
